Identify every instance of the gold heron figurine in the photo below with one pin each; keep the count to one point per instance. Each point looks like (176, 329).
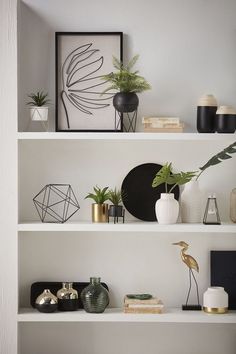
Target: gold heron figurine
(192, 264)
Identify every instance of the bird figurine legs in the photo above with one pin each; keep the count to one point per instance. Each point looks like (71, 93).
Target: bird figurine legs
(192, 307)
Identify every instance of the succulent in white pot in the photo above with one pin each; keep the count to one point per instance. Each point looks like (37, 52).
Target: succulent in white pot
(167, 207)
(38, 103)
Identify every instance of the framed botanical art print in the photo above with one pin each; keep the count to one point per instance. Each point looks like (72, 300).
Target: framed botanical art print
(82, 58)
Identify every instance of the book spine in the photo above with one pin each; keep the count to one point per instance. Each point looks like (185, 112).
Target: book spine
(143, 310)
(160, 120)
(163, 130)
(141, 302)
(136, 306)
(162, 125)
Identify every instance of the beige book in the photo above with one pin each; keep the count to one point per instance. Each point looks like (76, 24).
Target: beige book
(160, 120)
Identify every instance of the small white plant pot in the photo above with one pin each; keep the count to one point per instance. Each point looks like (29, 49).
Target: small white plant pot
(167, 209)
(39, 114)
(215, 300)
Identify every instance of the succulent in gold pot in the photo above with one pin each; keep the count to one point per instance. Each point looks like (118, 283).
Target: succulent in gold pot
(99, 208)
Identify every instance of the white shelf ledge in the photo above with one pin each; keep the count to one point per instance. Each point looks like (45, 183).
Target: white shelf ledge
(116, 315)
(124, 136)
(128, 227)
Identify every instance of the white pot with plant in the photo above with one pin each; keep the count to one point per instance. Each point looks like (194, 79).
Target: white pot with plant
(99, 208)
(191, 197)
(39, 108)
(167, 207)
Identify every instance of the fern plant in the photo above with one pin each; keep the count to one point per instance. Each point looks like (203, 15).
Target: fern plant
(225, 154)
(126, 80)
(100, 195)
(166, 176)
(38, 99)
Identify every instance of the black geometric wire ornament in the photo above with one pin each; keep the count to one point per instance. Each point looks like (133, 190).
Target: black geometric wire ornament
(56, 203)
(126, 122)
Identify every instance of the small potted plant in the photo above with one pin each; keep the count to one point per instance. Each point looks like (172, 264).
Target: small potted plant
(128, 82)
(99, 208)
(167, 207)
(38, 110)
(116, 210)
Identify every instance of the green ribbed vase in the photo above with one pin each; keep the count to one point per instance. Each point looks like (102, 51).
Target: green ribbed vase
(95, 297)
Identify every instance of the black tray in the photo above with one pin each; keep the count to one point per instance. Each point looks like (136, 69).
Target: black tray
(38, 287)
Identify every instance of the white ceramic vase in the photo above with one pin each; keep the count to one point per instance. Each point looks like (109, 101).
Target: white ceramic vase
(167, 209)
(215, 300)
(191, 203)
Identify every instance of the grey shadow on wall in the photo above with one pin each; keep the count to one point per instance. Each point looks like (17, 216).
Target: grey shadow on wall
(35, 60)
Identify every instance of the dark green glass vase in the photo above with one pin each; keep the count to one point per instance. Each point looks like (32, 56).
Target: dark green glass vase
(95, 297)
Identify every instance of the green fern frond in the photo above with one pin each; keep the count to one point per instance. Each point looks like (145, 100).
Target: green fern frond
(124, 80)
(132, 62)
(117, 63)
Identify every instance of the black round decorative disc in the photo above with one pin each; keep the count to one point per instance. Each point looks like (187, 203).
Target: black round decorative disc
(139, 195)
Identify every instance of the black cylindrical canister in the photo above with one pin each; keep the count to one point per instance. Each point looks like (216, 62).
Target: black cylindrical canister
(206, 114)
(225, 119)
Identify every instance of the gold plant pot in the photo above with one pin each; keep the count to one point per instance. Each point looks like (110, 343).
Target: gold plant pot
(99, 212)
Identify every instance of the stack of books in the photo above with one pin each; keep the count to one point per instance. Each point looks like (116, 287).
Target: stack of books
(163, 124)
(152, 305)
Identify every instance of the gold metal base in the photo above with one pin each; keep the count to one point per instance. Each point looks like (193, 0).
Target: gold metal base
(100, 212)
(215, 310)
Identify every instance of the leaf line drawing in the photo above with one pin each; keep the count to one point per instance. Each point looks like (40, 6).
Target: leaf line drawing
(81, 84)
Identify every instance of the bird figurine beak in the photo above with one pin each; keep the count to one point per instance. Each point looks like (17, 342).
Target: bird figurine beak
(175, 243)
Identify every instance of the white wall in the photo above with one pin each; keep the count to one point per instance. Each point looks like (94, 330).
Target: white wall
(8, 177)
(187, 47)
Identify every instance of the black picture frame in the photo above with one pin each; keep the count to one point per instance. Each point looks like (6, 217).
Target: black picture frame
(85, 58)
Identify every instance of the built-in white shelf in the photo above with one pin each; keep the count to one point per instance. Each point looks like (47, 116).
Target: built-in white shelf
(124, 136)
(128, 227)
(173, 315)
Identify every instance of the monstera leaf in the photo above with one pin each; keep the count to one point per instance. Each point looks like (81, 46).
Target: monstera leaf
(81, 82)
(165, 175)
